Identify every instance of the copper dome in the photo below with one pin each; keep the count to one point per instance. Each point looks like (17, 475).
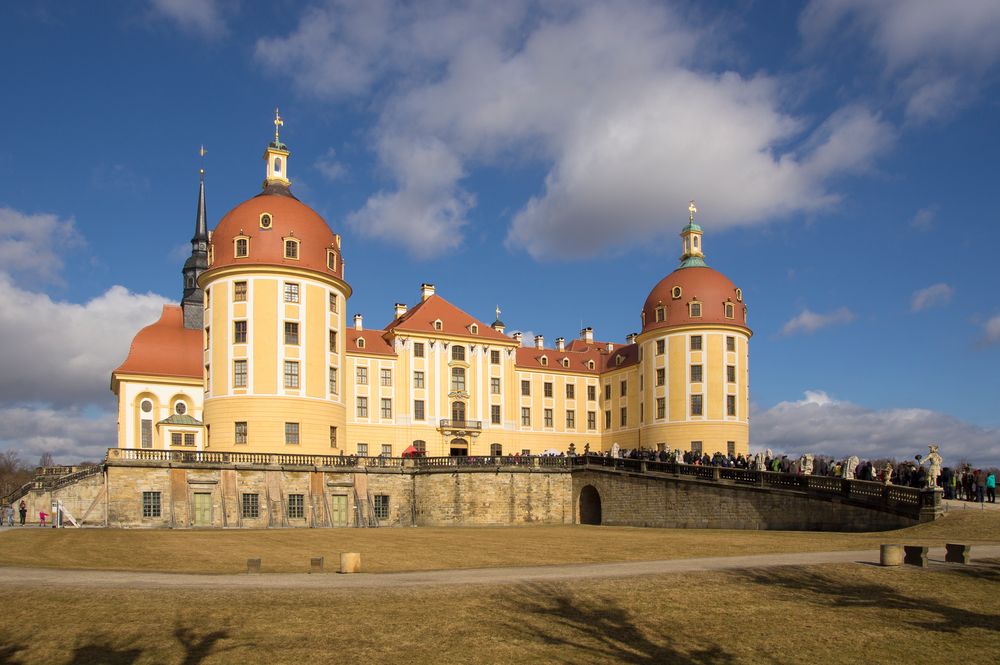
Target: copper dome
(674, 294)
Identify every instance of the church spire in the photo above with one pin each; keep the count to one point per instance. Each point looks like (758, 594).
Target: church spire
(691, 237)
(193, 302)
(201, 220)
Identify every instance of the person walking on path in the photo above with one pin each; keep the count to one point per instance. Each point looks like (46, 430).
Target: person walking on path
(10, 516)
(991, 487)
(41, 517)
(23, 509)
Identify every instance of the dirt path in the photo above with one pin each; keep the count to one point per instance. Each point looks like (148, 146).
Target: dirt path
(42, 577)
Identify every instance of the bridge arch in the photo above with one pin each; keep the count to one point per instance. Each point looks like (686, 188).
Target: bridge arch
(590, 505)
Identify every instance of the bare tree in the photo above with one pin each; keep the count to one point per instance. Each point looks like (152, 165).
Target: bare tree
(46, 460)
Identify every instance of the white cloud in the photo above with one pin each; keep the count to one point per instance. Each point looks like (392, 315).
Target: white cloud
(820, 424)
(933, 296)
(71, 435)
(809, 322)
(603, 95)
(991, 330)
(205, 17)
(30, 244)
(923, 220)
(330, 167)
(937, 52)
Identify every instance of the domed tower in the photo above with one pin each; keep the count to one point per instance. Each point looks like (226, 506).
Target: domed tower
(694, 349)
(275, 298)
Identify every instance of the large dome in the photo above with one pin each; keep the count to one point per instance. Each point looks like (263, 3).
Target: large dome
(668, 304)
(267, 221)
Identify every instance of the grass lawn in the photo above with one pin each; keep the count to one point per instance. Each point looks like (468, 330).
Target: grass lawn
(404, 549)
(846, 613)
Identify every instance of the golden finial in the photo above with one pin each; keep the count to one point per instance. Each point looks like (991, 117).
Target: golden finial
(201, 153)
(691, 211)
(498, 312)
(278, 122)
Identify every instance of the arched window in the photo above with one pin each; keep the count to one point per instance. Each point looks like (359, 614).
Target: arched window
(458, 352)
(496, 450)
(458, 411)
(421, 446)
(277, 165)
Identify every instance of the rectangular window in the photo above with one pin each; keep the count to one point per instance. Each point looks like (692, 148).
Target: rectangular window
(457, 378)
(251, 506)
(242, 247)
(696, 342)
(731, 373)
(418, 379)
(661, 407)
(525, 416)
(495, 386)
(239, 373)
(151, 504)
(592, 420)
(494, 357)
(661, 346)
(495, 414)
(547, 414)
(175, 438)
(696, 447)
(291, 374)
(547, 388)
(730, 405)
(333, 380)
(570, 419)
(189, 438)
(623, 419)
(661, 376)
(382, 506)
(591, 393)
(332, 344)
(386, 408)
(696, 405)
(292, 434)
(362, 450)
(239, 291)
(525, 388)
(730, 310)
(239, 332)
(291, 292)
(570, 391)
(291, 332)
(421, 446)
(333, 302)
(362, 407)
(418, 409)
(607, 391)
(386, 450)
(730, 343)
(291, 249)
(241, 432)
(385, 377)
(333, 436)
(418, 349)
(624, 388)
(296, 506)
(695, 309)
(695, 373)
(607, 419)
(526, 452)
(731, 448)
(361, 374)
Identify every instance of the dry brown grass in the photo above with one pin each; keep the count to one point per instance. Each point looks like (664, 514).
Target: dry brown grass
(849, 613)
(388, 550)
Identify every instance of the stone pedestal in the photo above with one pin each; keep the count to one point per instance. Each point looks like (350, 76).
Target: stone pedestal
(955, 553)
(350, 562)
(316, 564)
(915, 555)
(891, 555)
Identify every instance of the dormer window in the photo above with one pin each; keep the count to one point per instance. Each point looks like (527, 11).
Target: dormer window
(474, 329)
(241, 248)
(694, 309)
(619, 359)
(565, 362)
(590, 364)
(331, 259)
(361, 342)
(265, 220)
(291, 248)
(660, 314)
(675, 292)
(438, 325)
(730, 311)
(545, 361)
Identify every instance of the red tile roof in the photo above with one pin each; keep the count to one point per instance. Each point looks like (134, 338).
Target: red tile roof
(579, 353)
(374, 342)
(165, 348)
(454, 321)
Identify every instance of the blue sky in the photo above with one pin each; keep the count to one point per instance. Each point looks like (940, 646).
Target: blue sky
(842, 153)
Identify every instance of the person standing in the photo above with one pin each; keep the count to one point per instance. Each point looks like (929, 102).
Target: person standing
(980, 480)
(23, 509)
(991, 487)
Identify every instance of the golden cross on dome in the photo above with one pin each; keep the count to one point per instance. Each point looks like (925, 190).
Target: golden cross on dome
(278, 122)
(691, 211)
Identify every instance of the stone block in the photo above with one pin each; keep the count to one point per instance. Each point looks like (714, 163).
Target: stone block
(253, 566)
(955, 553)
(350, 562)
(915, 555)
(891, 555)
(316, 564)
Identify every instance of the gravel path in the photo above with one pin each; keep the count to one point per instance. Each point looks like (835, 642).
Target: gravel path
(43, 577)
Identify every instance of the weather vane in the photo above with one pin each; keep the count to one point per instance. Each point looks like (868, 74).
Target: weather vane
(691, 211)
(498, 312)
(278, 122)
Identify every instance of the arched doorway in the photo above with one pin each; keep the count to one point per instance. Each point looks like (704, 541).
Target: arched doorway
(459, 448)
(590, 505)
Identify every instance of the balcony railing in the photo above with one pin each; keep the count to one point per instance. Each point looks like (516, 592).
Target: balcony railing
(462, 424)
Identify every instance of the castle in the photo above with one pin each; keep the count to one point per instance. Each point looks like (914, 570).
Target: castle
(261, 357)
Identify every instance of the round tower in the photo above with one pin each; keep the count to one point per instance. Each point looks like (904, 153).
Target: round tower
(275, 299)
(694, 351)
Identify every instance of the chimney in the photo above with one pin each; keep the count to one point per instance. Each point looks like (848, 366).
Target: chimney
(426, 291)
(630, 338)
(357, 322)
(611, 347)
(587, 334)
(399, 310)
(539, 342)
(560, 344)
(517, 337)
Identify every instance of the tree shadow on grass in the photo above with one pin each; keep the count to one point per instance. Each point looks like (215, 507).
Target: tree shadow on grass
(597, 628)
(197, 646)
(808, 585)
(987, 570)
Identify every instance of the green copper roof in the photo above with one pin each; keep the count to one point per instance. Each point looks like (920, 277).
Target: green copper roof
(691, 227)
(694, 262)
(178, 419)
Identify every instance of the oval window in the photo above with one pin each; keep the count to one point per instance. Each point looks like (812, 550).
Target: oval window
(180, 408)
(265, 221)
(146, 406)
(675, 292)
(739, 295)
